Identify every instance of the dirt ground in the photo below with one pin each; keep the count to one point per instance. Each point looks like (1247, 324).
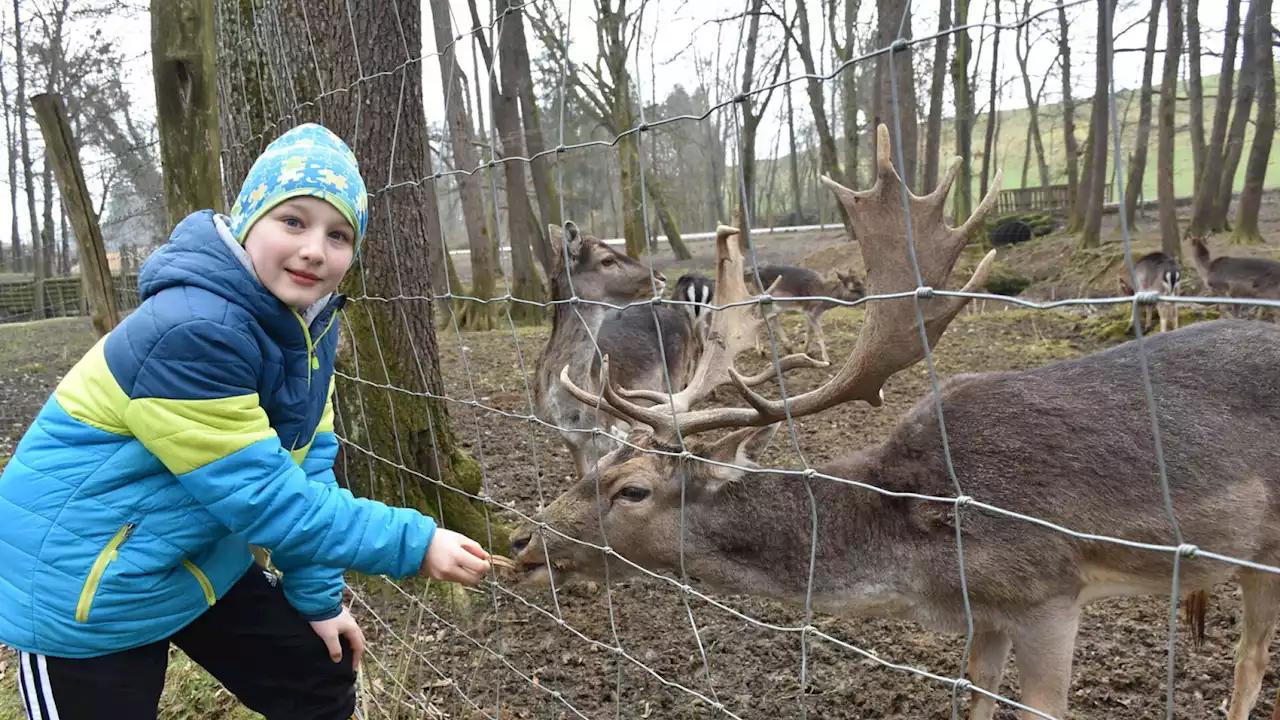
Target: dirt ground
(524, 654)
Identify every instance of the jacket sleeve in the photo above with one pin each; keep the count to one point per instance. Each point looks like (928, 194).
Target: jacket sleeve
(315, 591)
(194, 405)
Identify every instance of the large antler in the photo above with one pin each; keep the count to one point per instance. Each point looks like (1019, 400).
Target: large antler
(732, 330)
(890, 336)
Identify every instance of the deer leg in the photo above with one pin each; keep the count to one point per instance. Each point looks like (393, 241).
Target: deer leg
(814, 329)
(1260, 593)
(1043, 647)
(986, 670)
(782, 334)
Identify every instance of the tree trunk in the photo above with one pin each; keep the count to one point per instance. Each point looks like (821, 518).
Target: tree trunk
(544, 184)
(993, 113)
(1033, 101)
(1239, 121)
(12, 116)
(849, 78)
(47, 234)
(1138, 163)
(1075, 217)
(1195, 89)
(38, 266)
(963, 193)
(1264, 133)
(522, 224)
(826, 141)
(656, 188)
(750, 123)
(1092, 233)
(1169, 233)
(186, 91)
(890, 22)
(484, 265)
(933, 130)
(74, 193)
(1207, 186)
(797, 204)
(396, 341)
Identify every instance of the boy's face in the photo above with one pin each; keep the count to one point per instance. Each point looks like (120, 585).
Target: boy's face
(301, 249)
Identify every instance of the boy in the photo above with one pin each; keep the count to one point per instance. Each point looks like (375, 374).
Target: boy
(201, 424)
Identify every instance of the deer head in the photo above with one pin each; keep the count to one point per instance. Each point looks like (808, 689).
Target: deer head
(848, 288)
(598, 271)
(635, 497)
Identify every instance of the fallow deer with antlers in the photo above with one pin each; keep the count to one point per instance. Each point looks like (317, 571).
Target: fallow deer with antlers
(1069, 443)
(604, 281)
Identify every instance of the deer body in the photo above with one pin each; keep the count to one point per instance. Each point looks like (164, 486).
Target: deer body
(1236, 277)
(795, 282)
(1069, 443)
(1155, 272)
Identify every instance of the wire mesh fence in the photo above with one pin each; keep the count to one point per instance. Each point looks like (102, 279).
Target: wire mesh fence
(569, 650)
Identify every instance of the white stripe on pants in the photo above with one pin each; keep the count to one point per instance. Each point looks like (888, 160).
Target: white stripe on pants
(33, 678)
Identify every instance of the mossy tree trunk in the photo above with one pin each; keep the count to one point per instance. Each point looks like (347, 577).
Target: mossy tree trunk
(383, 344)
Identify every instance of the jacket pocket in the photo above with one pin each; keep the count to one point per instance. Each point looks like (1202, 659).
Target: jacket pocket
(203, 579)
(105, 558)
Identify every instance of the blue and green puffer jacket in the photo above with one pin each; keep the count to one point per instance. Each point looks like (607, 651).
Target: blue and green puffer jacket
(200, 424)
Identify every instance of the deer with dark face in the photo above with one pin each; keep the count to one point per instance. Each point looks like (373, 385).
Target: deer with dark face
(1069, 443)
(698, 292)
(798, 282)
(1236, 277)
(1155, 272)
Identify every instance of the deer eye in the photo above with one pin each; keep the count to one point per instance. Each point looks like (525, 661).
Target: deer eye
(609, 261)
(633, 494)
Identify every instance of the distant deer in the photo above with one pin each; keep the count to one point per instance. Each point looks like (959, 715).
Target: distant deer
(1069, 443)
(697, 290)
(604, 275)
(1236, 277)
(1155, 272)
(802, 282)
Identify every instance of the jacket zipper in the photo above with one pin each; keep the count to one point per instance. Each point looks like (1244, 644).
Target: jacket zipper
(106, 557)
(313, 362)
(203, 579)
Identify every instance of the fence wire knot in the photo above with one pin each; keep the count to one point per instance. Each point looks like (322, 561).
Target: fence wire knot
(961, 685)
(900, 45)
(924, 292)
(1187, 550)
(963, 501)
(1147, 297)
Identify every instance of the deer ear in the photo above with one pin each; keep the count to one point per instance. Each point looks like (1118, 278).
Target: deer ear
(574, 238)
(741, 449)
(557, 237)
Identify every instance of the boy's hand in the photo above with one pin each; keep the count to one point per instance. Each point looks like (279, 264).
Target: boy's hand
(455, 557)
(333, 628)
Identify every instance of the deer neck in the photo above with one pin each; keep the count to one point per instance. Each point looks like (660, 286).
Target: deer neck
(1200, 256)
(574, 328)
(759, 538)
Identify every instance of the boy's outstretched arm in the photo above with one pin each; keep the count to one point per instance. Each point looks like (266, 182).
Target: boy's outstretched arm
(193, 403)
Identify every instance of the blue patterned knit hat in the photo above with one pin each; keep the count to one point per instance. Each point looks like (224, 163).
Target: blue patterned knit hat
(307, 160)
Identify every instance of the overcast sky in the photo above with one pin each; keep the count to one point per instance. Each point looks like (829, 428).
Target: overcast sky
(679, 33)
